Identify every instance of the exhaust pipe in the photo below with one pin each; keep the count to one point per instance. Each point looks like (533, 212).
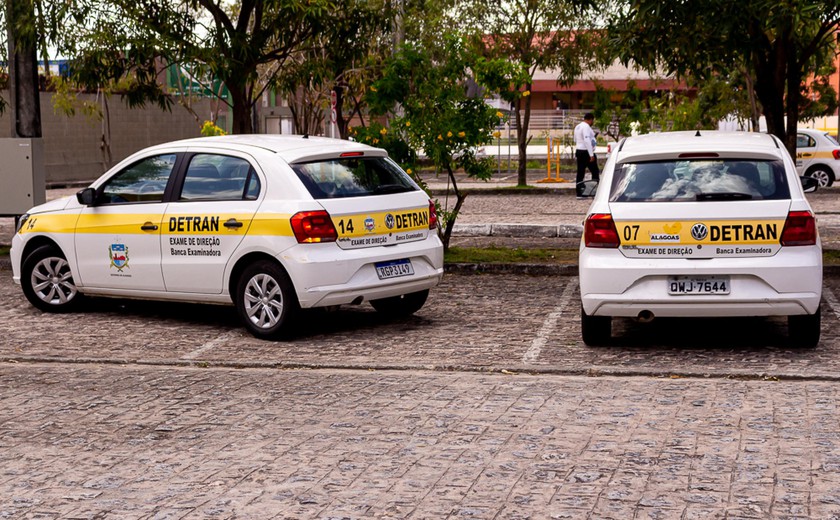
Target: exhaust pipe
(645, 317)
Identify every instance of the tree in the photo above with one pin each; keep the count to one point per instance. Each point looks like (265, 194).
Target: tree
(777, 44)
(538, 35)
(244, 47)
(342, 61)
(435, 114)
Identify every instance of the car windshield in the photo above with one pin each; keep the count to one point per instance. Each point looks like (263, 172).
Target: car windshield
(831, 139)
(699, 180)
(353, 177)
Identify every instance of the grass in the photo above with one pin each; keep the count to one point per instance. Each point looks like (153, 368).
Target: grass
(505, 255)
(4, 251)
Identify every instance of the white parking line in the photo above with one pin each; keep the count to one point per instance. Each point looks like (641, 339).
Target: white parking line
(549, 325)
(210, 345)
(832, 301)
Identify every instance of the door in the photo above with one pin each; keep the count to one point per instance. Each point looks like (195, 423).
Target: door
(118, 238)
(207, 220)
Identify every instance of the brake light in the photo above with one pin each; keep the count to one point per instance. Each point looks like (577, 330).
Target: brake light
(800, 229)
(313, 226)
(836, 154)
(432, 215)
(599, 231)
(352, 154)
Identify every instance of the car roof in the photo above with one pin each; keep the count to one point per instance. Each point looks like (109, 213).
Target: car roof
(291, 148)
(669, 145)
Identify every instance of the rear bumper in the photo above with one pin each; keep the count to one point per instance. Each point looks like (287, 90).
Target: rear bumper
(325, 275)
(788, 283)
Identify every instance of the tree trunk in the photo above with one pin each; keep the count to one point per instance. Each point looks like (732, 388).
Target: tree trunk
(523, 121)
(453, 215)
(242, 120)
(24, 90)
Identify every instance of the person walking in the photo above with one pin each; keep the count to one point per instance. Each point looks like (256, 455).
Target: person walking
(585, 152)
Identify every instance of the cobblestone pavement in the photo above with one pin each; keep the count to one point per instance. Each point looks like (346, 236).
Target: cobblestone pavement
(140, 442)
(484, 405)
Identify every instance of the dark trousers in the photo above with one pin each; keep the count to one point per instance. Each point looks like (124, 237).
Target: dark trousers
(582, 163)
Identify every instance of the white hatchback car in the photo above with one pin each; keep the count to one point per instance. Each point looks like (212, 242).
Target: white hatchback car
(699, 225)
(817, 155)
(271, 224)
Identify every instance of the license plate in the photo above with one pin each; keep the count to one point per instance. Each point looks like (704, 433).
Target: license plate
(679, 285)
(394, 269)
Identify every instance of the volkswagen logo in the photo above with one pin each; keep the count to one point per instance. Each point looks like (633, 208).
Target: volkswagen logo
(389, 221)
(699, 231)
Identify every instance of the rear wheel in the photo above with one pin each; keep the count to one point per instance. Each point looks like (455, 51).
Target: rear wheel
(403, 305)
(47, 282)
(823, 174)
(266, 300)
(804, 330)
(596, 330)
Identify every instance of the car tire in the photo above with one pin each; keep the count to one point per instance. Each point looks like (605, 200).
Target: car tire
(403, 305)
(823, 174)
(47, 281)
(595, 330)
(266, 301)
(804, 330)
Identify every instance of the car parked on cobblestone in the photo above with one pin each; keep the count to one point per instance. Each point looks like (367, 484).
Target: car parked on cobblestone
(705, 224)
(271, 224)
(817, 155)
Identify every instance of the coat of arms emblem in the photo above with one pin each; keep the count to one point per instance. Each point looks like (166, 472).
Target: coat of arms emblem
(119, 256)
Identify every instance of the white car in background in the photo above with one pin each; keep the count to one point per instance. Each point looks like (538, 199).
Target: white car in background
(271, 224)
(701, 224)
(817, 155)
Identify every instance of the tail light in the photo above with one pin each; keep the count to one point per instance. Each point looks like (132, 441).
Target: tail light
(800, 229)
(599, 231)
(836, 154)
(313, 226)
(432, 215)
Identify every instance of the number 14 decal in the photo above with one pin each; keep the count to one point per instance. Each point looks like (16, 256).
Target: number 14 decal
(346, 228)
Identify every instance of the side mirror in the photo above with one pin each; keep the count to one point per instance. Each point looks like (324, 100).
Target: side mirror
(809, 184)
(588, 188)
(86, 197)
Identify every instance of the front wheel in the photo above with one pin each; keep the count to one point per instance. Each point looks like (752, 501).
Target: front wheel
(823, 175)
(804, 330)
(47, 282)
(596, 330)
(266, 300)
(403, 305)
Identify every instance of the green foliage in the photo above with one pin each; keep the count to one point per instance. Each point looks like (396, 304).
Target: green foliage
(209, 129)
(774, 45)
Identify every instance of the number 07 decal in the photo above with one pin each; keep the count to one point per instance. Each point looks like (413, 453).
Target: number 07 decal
(631, 232)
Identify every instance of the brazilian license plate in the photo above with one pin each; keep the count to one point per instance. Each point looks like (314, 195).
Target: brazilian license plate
(394, 269)
(691, 285)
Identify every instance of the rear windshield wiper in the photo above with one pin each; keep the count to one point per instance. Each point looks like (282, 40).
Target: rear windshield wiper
(724, 196)
(391, 188)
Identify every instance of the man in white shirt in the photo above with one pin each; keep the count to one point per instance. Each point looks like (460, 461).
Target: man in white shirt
(585, 152)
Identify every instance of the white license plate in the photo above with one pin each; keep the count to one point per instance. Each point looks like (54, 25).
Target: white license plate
(679, 285)
(394, 269)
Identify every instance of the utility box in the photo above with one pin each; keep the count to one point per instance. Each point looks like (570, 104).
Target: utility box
(22, 179)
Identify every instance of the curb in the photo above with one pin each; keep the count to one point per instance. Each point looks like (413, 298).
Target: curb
(518, 230)
(512, 370)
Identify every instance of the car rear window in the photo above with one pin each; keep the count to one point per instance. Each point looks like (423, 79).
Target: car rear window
(353, 177)
(699, 180)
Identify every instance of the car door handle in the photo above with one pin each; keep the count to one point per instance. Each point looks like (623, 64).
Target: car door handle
(148, 226)
(233, 223)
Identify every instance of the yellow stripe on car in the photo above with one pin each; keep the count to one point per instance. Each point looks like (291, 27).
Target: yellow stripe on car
(700, 232)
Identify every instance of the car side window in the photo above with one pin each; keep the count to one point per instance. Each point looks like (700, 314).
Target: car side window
(143, 181)
(219, 177)
(805, 141)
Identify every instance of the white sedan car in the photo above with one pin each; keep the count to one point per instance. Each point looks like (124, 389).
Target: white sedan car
(701, 224)
(817, 155)
(271, 224)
